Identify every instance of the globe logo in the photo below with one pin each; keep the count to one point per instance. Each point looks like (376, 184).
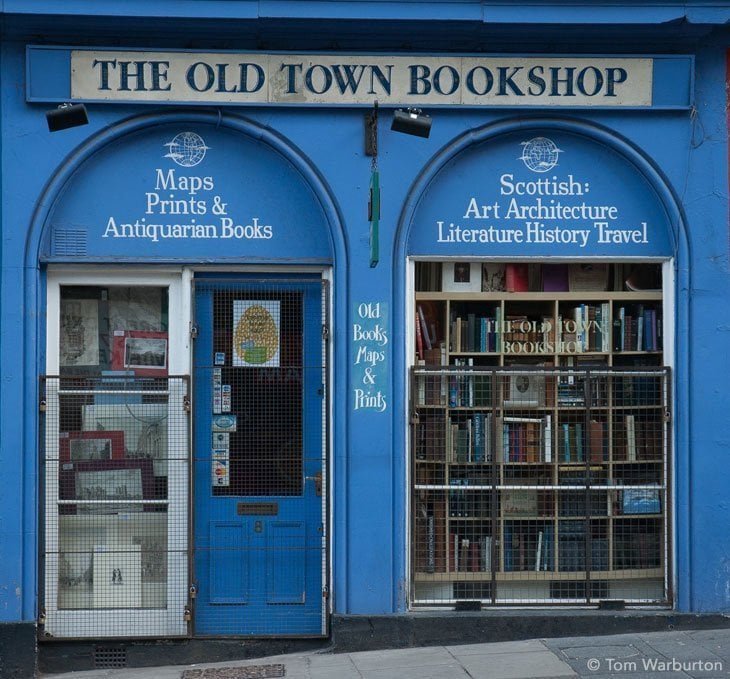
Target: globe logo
(186, 149)
(540, 154)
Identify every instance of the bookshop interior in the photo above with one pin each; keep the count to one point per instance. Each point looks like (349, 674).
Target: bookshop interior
(540, 434)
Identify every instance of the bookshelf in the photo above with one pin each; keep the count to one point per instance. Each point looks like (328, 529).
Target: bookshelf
(540, 443)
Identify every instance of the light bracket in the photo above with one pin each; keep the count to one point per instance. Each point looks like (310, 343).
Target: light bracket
(411, 121)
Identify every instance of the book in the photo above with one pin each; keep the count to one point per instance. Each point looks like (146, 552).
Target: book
(547, 437)
(597, 441)
(453, 553)
(566, 429)
(547, 548)
(486, 553)
(479, 442)
(475, 549)
(425, 337)
(631, 438)
(554, 277)
(464, 554)
(431, 544)
(419, 339)
(579, 442)
(517, 277)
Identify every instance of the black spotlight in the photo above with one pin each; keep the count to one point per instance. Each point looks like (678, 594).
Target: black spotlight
(412, 121)
(65, 116)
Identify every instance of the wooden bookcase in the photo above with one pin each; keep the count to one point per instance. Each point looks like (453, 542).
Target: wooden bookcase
(540, 447)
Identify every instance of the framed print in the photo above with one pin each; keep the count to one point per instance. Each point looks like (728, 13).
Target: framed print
(75, 571)
(493, 276)
(461, 277)
(525, 390)
(144, 426)
(587, 277)
(117, 571)
(77, 446)
(641, 501)
(106, 486)
(256, 333)
(143, 352)
(79, 340)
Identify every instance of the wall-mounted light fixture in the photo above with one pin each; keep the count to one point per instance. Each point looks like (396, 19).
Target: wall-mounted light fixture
(411, 121)
(65, 116)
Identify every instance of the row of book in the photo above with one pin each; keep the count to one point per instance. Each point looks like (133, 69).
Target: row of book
(527, 439)
(585, 328)
(643, 437)
(476, 332)
(574, 447)
(530, 440)
(470, 439)
(470, 554)
(637, 328)
(540, 276)
(582, 328)
(530, 545)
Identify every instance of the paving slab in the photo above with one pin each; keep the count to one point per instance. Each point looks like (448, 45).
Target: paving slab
(406, 657)
(526, 665)
(446, 671)
(528, 646)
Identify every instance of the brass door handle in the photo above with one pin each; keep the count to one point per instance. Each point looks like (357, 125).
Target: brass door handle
(317, 478)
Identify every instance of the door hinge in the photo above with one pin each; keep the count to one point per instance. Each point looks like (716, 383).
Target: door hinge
(325, 332)
(325, 592)
(186, 404)
(194, 331)
(193, 590)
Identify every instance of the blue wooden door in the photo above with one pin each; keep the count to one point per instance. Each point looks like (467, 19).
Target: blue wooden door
(259, 472)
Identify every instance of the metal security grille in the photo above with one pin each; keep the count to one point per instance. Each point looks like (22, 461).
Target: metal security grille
(115, 463)
(258, 337)
(259, 458)
(540, 485)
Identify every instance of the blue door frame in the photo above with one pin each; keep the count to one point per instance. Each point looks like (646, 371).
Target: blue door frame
(259, 543)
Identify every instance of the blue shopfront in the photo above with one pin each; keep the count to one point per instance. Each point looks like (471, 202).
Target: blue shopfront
(256, 372)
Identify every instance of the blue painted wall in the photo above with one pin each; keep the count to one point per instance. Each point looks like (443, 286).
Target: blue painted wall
(688, 151)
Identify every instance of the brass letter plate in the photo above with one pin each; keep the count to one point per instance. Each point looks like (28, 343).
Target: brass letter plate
(262, 508)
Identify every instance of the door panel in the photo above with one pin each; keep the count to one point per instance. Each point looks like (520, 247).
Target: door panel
(259, 530)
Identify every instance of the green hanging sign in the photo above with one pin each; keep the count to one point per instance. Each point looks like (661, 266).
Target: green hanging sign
(374, 217)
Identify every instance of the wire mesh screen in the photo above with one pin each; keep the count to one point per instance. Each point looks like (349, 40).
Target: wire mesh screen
(540, 485)
(115, 454)
(262, 332)
(259, 457)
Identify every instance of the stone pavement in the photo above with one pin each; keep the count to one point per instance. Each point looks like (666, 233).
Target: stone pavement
(701, 653)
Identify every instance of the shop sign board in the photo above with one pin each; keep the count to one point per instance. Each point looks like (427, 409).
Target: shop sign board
(230, 78)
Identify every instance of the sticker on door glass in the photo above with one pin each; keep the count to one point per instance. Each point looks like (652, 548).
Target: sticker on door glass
(220, 358)
(224, 423)
(220, 475)
(226, 398)
(256, 326)
(221, 441)
(217, 391)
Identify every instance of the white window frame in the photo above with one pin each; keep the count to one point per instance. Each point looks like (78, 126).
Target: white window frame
(98, 623)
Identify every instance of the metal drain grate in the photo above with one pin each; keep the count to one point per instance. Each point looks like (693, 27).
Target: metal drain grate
(106, 657)
(250, 672)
